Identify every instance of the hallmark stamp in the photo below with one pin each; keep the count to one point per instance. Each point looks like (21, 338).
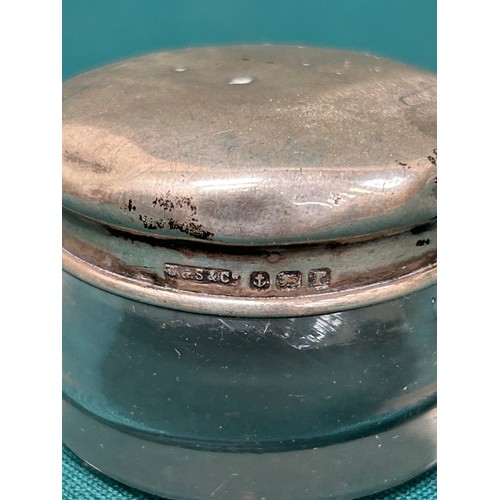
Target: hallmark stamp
(260, 280)
(288, 280)
(319, 278)
(200, 274)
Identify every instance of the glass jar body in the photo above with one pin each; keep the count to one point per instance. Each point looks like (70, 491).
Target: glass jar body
(187, 405)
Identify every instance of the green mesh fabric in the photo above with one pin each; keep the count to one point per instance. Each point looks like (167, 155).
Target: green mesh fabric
(423, 487)
(81, 483)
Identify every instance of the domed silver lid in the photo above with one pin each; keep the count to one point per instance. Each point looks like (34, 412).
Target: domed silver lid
(251, 180)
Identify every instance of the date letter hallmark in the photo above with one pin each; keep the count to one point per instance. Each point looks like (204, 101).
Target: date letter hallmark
(319, 278)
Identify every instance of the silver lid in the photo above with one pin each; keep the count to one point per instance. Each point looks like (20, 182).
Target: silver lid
(195, 179)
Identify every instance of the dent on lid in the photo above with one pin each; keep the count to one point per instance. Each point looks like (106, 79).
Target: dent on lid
(252, 145)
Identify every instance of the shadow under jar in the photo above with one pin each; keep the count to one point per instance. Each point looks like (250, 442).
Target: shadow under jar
(249, 260)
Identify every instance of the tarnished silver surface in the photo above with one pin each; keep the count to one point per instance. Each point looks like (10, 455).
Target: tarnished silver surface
(246, 154)
(340, 148)
(263, 281)
(278, 205)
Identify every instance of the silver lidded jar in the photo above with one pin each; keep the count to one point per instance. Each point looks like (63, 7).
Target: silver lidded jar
(249, 253)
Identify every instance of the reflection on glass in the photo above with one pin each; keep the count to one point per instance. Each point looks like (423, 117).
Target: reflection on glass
(248, 384)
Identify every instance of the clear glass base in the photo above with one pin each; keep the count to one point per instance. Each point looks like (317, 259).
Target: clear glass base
(345, 470)
(192, 406)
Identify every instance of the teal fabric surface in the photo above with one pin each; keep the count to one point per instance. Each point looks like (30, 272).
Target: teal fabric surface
(79, 482)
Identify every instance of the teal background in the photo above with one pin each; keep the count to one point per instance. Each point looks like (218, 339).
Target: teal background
(97, 32)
